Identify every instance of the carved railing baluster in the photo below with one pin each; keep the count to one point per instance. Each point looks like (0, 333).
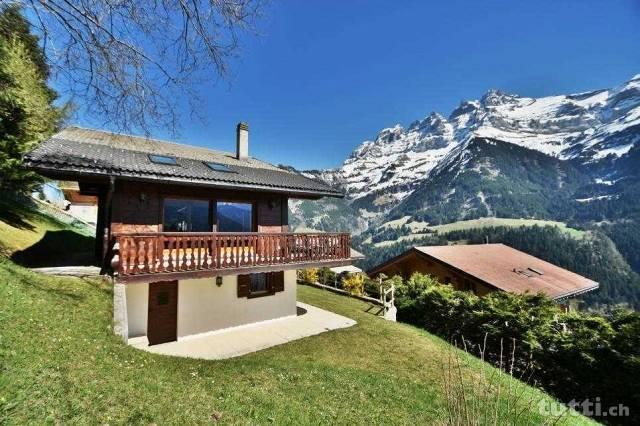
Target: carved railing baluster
(170, 252)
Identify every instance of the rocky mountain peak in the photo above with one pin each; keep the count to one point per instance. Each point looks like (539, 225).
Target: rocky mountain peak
(465, 107)
(389, 134)
(433, 123)
(495, 97)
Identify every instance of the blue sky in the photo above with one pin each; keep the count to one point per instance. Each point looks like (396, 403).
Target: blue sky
(322, 76)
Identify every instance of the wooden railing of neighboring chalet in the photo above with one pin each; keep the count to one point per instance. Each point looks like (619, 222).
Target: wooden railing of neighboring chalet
(176, 252)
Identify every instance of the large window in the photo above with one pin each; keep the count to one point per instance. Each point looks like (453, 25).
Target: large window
(234, 217)
(186, 215)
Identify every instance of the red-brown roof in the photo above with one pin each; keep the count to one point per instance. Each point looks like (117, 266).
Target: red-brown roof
(511, 270)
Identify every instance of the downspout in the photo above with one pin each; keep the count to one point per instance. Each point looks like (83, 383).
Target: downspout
(106, 234)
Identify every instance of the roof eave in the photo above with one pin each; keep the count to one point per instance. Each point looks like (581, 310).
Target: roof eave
(75, 173)
(578, 292)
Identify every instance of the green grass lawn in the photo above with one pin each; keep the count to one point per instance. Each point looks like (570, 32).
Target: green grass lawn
(60, 363)
(418, 228)
(496, 221)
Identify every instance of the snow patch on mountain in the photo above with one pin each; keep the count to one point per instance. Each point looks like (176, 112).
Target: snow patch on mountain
(585, 127)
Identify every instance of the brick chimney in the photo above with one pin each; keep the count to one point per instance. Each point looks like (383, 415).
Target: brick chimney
(242, 141)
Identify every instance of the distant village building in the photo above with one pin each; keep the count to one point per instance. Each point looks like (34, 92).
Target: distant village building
(84, 207)
(484, 268)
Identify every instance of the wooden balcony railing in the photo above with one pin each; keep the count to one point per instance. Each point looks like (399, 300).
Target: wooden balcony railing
(142, 254)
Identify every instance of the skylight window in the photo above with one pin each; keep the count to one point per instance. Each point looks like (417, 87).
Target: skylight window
(537, 271)
(163, 159)
(218, 167)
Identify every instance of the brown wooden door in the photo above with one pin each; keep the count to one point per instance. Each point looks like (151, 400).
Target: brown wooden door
(162, 322)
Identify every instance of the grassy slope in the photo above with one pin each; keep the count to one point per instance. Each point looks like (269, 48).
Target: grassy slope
(26, 233)
(495, 221)
(60, 362)
(417, 228)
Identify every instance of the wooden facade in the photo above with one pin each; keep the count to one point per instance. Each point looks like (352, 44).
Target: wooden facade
(138, 206)
(134, 243)
(406, 265)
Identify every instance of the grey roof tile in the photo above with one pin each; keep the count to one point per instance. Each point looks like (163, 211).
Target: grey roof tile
(98, 152)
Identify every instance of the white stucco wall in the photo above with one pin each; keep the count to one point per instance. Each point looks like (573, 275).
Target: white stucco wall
(203, 306)
(137, 308)
(88, 213)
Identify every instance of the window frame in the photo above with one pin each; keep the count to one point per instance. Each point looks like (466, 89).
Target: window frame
(218, 167)
(213, 207)
(185, 198)
(268, 286)
(163, 163)
(275, 283)
(254, 212)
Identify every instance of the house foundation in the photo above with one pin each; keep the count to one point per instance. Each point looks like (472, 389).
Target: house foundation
(120, 317)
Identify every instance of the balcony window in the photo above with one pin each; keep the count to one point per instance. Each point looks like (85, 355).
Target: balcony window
(186, 215)
(234, 217)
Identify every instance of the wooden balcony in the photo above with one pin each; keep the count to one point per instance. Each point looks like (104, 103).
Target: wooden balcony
(180, 255)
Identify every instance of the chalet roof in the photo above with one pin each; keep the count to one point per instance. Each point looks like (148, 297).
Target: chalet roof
(76, 151)
(349, 268)
(507, 269)
(355, 254)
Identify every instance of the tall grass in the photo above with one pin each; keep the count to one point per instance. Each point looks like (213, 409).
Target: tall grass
(489, 396)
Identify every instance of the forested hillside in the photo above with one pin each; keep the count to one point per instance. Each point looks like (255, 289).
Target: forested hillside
(493, 178)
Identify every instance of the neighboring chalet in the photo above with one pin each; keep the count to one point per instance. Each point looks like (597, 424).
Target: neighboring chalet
(84, 207)
(197, 240)
(484, 268)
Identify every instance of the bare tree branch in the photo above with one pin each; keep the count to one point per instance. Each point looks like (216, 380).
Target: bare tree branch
(134, 64)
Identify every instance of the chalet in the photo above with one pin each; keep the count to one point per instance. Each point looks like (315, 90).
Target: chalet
(484, 268)
(196, 240)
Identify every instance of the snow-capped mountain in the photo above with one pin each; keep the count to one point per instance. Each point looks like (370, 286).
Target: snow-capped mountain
(585, 128)
(566, 157)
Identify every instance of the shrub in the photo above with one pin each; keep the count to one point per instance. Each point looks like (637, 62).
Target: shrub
(444, 311)
(575, 356)
(354, 284)
(413, 287)
(326, 276)
(308, 275)
(371, 287)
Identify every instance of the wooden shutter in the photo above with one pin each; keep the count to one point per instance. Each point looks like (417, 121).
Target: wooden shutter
(277, 281)
(244, 285)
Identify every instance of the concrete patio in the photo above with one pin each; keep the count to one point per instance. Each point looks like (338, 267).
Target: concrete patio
(237, 341)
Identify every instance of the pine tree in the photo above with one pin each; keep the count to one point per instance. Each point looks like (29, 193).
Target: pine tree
(27, 111)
